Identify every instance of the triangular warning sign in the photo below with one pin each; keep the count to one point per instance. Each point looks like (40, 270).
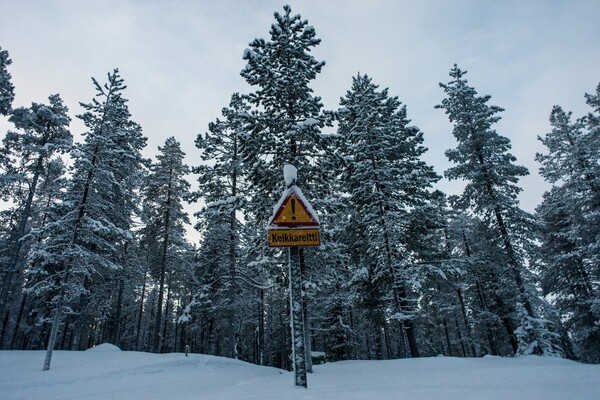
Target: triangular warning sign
(294, 211)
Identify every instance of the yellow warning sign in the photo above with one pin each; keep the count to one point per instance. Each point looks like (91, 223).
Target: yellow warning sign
(294, 237)
(293, 212)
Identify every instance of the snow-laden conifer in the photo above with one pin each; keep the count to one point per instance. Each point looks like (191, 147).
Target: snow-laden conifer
(78, 253)
(221, 180)
(165, 190)
(42, 132)
(384, 178)
(570, 220)
(484, 162)
(283, 127)
(7, 90)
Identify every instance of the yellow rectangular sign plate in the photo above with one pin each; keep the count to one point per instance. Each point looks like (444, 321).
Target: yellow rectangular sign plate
(294, 237)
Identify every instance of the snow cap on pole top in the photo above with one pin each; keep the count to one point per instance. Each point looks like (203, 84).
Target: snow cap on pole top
(290, 174)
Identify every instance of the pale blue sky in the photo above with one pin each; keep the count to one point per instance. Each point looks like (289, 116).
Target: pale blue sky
(181, 59)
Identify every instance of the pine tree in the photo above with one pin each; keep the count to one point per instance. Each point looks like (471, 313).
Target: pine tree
(570, 216)
(43, 132)
(384, 179)
(221, 184)
(82, 247)
(482, 290)
(7, 90)
(283, 127)
(24, 329)
(210, 311)
(441, 278)
(120, 180)
(164, 193)
(483, 160)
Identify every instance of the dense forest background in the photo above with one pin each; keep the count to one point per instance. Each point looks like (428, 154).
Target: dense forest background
(93, 245)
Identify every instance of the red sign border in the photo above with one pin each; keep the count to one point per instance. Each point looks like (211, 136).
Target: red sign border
(296, 224)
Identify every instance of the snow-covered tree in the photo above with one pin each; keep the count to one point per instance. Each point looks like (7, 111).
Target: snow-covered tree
(480, 258)
(83, 246)
(43, 131)
(570, 217)
(221, 182)
(484, 162)
(164, 193)
(7, 90)
(384, 178)
(283, 127)
(20, 328)
(534, 337)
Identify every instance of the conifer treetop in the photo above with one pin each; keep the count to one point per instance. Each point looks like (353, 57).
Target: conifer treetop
(7, 90)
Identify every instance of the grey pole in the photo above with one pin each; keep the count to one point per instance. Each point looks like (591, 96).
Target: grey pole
(297, 318)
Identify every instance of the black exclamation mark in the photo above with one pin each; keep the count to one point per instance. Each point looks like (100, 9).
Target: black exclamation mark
(293, 209)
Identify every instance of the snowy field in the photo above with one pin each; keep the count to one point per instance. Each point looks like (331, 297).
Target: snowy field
(105, 372)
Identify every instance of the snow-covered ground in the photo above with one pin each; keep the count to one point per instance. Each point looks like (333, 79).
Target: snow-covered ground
(108, 373)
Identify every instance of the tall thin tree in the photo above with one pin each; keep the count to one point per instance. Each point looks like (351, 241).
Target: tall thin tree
(384, 178)
(43, 131)
(164, 193)
(483, 160)
(83, 243)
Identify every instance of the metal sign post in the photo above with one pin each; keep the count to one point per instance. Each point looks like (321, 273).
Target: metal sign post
(297, 318)
(295, 224)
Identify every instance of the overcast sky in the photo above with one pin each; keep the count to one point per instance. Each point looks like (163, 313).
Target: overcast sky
(181, 60)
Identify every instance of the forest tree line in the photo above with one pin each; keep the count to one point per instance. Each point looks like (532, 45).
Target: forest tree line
(94, 249)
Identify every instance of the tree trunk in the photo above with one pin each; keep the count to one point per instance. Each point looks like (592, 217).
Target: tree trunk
(307, 344)
(460, 338)
(55, 322)
(165, 334)
(18, 321)
(141, 313)
(463, 311)
(447, 336)
(79, 319)
(233, 256)
(163, 269)
(514, 264)
(261, 328)
(483, 304)
(5, 321)
(116, 329)
(400, 301)
(12, 267)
